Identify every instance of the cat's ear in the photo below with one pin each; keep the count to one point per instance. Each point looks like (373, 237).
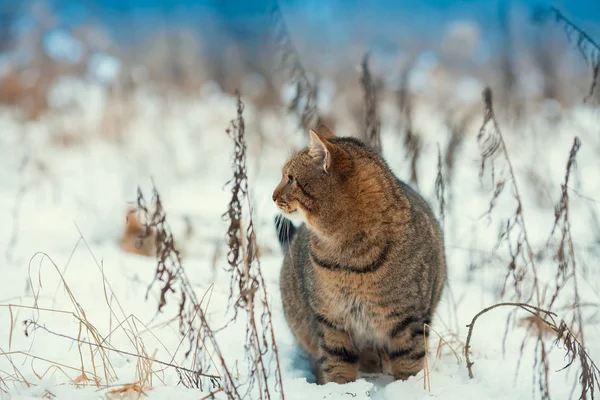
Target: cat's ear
(325, 132)
(320, 150)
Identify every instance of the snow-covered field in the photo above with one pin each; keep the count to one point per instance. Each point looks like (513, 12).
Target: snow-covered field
(63, 211)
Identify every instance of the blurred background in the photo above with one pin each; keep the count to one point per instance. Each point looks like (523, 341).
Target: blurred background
(449, 48)
(150, 85)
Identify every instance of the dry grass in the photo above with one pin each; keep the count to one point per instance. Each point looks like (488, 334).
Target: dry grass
(411, 138)
(148, 224)
(137, 239)
(247, 283)
(304, 103)
(94, 348)
(587, 46)
(545, 321)
(522, 264)
(372, 123)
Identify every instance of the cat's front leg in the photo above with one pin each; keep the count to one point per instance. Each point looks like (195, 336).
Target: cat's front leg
(338, 361)
(407, 346)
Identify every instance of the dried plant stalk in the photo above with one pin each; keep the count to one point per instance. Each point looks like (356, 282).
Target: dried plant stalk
(412, 140)
(440, 188)
(247, 285)
(372, 124)
(304, 103)
(174, 282)
(589, 376)
(522, 263)
(587, 47)
(493, 147)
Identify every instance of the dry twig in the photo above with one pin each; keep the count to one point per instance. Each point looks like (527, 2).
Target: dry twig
(174, 281)
(247, 285)
(304, 103)
(372, 121)
(587, 46)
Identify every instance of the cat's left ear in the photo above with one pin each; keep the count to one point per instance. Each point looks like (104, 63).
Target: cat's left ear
(320, 150)
(325, 132)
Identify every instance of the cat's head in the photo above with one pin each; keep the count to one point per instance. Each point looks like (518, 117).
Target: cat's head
(313, 179)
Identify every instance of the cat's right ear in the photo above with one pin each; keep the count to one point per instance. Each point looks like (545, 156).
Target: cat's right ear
(320, 150)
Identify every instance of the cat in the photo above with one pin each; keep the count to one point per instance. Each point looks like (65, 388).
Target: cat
(364, 273)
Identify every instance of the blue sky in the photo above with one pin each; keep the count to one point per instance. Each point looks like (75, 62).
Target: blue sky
(580, 9)
(329, 21)
(413, 14)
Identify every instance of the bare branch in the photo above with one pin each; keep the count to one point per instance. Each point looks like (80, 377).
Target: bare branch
(587, 46)
(372, 126)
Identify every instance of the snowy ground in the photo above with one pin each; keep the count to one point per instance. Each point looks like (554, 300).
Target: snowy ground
(63, 210)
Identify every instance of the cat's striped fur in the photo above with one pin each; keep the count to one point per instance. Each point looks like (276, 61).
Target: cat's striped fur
(364, 274)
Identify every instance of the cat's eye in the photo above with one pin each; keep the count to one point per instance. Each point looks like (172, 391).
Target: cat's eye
(290, 179)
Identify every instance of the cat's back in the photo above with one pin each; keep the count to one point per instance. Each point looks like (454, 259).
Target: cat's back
(367, 158)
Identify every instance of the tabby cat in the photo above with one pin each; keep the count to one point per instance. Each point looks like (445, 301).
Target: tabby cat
(364, 273)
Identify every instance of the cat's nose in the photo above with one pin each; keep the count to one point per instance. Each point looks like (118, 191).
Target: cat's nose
(276, 193)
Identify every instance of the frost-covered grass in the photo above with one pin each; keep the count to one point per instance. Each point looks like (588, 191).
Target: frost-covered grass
(64, 211)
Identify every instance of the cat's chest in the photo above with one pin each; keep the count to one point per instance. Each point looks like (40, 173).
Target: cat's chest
(357, 310)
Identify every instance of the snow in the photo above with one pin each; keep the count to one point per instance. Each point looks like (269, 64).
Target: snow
(468, 90)
(62, 46)
(104, 67)
(63, 210)
(69, 91)
(253, 85)
(421, 74)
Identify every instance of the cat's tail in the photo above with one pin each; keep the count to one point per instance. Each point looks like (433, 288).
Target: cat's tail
(285, 231)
